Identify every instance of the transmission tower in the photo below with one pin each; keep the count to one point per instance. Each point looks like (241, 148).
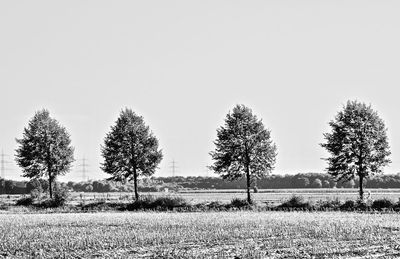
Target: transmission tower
(173, 168)
(3, 163)
(3, 170)
(83, 165)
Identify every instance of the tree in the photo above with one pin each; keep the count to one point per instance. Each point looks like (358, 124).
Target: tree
(45, 149)
(88, 188)
(9, 186)
(243, 148)
(349, 184)
(358, 144)
(302, 182)
(130, 150)
(326, 184)
(2, 186)
(317, 183)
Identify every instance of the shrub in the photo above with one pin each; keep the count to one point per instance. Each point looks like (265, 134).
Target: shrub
(60, 197)
(239, 203)
(24, 201)
(169, 202)
(144, 202)
(216, 205)
(48, 203)
(296, 202)
(362, 205)
(382, 204)
(213, 205)
(102, 206)
(160, 203)
(36, 193)
(348, 205)
(329, 205)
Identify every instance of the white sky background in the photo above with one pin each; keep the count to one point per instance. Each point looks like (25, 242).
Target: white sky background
(184, 64)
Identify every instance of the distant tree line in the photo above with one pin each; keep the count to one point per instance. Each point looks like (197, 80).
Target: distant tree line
(156, 184)
(297, 181)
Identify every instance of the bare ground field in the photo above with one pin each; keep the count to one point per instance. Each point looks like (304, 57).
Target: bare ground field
(244, 234)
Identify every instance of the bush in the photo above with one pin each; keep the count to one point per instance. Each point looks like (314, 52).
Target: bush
(169, 202)
(348, 205)
(102, 206)
(239, 203)
(47, 203)
(296, 202)
(362, 205)
(60, 197)
(160, 203)
(329, 205)
(36, 194)
(24, 201)
(213, 205)
(144, 202)
(382, 204)
(216, 205)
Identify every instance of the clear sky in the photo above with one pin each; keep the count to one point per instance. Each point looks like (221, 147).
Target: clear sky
(183, 65)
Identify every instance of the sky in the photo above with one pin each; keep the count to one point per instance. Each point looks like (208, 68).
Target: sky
(183, 65)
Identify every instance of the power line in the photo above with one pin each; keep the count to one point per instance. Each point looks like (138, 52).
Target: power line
(83, 170)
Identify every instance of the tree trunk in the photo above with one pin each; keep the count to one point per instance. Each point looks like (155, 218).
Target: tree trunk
(248, 185)
(361, 188)
(50, 186)
(135, 183)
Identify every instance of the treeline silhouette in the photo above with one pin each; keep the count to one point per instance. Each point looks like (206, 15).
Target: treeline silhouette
(154, 184)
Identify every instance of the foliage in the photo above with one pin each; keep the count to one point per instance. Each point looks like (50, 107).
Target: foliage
(216, 205)
(348, 205)
(61, 196)
(24, 201)
(243, 148)
(102, 206)
(12, 187)
(36, 194)
(59, 199)
(239, 203)
(382, 204)
(317, 183)
(296, 202)
(130, 150)
(358, 144)
(329, 205)
(45, 149)
(159, 203)
(37, 185)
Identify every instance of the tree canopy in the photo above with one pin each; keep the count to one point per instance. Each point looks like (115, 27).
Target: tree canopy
(130, 150)
(243, 148)
(358, 144)
(45, 149)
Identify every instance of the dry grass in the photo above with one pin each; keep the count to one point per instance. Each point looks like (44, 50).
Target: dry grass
(200, 235)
